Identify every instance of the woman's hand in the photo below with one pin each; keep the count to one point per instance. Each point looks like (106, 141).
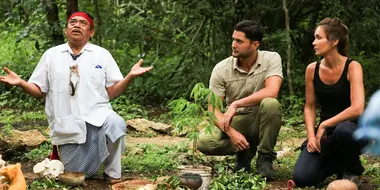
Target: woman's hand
(320, 135)
(312, 145)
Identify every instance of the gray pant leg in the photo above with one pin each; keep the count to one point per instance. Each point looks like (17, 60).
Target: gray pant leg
(115, 128)
(112, 165)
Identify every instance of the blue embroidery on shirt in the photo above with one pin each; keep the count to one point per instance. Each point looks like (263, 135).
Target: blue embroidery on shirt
(98, 67)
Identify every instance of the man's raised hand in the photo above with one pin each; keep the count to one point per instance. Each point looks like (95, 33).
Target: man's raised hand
(11, 78)
(137, 70)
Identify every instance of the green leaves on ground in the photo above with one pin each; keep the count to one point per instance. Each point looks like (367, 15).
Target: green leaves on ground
(228, 180)
(153, 159)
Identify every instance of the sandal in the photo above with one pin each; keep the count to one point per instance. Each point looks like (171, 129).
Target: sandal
(110, 180)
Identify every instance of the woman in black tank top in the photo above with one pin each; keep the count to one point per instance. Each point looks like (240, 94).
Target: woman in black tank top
(335, 83)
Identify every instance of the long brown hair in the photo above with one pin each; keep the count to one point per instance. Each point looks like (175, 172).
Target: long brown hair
(336, 30)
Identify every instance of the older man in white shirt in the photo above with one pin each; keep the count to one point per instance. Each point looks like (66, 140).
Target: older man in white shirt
(78, 79)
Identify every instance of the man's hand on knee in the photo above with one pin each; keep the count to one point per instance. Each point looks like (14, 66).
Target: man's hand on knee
(238, 140)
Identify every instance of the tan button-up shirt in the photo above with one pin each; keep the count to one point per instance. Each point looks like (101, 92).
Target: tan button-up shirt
(229, 81)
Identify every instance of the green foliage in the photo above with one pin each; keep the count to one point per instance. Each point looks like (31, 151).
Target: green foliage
(184, 40)
(19, 55)
(23, 120)
(292, 109)
(371, 165)
(8, 116)
(17, 99)
(371, 68)
(287, 164)
(154, 160)
(127, 109)
(228, 180)
(173, 182)
(7, 130)
(47, 183)
(187, 115)
(39, 153)
(33, 115)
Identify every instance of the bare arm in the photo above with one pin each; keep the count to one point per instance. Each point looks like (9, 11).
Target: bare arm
(32, 89)
(117, 89)
(355, 76)
(309, 109)
(218, 114)
(271, 89)
(237, 139)
(14, 80)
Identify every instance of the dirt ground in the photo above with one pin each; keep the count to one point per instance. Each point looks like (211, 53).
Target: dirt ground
(97, 183)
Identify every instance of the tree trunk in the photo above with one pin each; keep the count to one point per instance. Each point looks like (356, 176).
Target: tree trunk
(71, 7)
(24, 17)
(98, 23)
(51, 9)
(288, 70)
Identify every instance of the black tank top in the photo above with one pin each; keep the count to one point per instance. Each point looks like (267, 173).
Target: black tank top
(334, 98)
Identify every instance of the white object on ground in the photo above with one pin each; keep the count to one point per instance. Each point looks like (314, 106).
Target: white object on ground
(148, 187)
(2, 165)
(2, 162)
(283, 152)
(49, 168)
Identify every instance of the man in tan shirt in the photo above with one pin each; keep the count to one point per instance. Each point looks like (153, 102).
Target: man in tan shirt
(249, 81)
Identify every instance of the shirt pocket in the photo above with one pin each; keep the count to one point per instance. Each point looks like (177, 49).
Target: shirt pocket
(67, 129)
(98, 77)
(256, 81)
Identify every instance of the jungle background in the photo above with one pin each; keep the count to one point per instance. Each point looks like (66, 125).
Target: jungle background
(183, 40)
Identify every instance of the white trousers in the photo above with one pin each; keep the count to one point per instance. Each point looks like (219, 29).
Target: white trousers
(112, 165)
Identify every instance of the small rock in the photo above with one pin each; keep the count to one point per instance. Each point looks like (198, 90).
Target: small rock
(161, 128)
(342, 184)
(22, 139)
(132, 184)
(283, 152)
(141, 125)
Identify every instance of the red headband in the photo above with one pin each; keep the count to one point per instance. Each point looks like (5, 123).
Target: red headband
(85, 16)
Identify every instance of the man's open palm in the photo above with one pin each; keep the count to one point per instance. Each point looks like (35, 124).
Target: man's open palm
(137, 70)
(11, 78)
